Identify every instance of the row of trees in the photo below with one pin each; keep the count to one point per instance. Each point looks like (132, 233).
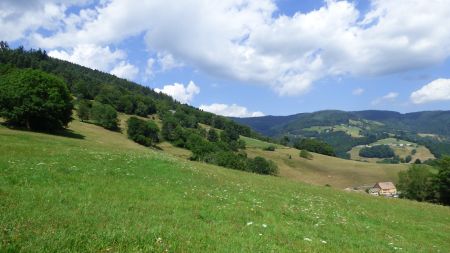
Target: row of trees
(314, 145)
(222, 148)
(427, 183)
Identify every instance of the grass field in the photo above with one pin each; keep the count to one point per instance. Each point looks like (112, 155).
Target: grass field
(401, 148)
(96, 191)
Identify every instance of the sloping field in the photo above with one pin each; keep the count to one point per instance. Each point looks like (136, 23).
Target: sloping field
(93, 190)
(322, 170)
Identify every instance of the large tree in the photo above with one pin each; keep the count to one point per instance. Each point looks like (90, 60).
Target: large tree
(35, 100)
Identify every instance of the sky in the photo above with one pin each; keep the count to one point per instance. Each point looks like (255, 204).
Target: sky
(248, 58)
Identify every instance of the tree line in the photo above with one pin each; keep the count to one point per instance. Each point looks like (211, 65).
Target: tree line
(430, 183)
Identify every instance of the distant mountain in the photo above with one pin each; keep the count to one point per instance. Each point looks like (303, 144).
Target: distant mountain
(430, 122)
(344, 130)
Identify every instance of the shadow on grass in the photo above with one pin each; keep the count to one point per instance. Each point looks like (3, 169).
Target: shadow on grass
(62, 132)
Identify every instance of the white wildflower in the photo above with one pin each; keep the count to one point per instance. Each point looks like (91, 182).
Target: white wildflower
(307, 239)
(249, 223)
(264, 225)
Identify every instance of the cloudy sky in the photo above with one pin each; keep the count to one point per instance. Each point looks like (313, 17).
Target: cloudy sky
(253, 57)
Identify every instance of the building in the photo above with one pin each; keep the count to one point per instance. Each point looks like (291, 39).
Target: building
(384, 189)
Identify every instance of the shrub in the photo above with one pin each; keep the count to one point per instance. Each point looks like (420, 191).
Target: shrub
(269, 148)
(378, 151)
(105, 116)
(35, 99)
(142, 132)
(263, 166)
(305, 154)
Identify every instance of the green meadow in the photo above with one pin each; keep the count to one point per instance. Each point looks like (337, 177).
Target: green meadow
(92, 190)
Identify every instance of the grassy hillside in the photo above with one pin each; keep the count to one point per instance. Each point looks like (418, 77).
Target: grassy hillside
(321, 169)
(94, 190)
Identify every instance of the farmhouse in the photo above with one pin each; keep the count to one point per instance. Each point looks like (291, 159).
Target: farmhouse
(383, 189)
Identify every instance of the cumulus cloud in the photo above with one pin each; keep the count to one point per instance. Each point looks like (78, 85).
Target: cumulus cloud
(18, 18)
(125, 70)
(90, 55)
(390, 97)
(246, 40)
(230, 110)
(180, 92)
(358, 91)
(437, 90)
(100, 58)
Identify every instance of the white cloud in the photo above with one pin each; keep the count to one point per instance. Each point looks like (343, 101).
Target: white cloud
(149, 69)
(358, 91)
(180, 92)
(437, 90)
(125, 70)
(390, 97)
(247, 40)
(92, 56)
(18, 18)
(230, 110)
(167, 62)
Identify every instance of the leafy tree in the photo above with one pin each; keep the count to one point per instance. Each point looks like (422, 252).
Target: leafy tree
(413, 152)
(416, 183)
(199, 146)
(285, 140)
(305, 154)
(417, 161)
(229, 134)
(378, 151)
(212, 135)
(408, 159)
(105, 116)
(84, 109)
(142, 132)
(35, 99)
(443, 180)
(169, 124)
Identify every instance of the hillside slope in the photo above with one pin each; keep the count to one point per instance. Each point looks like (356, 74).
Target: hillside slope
(94, 190)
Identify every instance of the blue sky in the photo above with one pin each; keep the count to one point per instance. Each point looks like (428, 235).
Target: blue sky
(253, 57)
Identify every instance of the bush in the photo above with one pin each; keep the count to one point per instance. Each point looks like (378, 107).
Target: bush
(269, 148)
(142, 132)
(378, 151)
(35, 100)
(305, 154)
(262, 166)
(315, 146)
(105, 116)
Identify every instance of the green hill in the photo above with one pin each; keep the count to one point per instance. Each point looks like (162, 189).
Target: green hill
(346, 130)
(94, 190)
